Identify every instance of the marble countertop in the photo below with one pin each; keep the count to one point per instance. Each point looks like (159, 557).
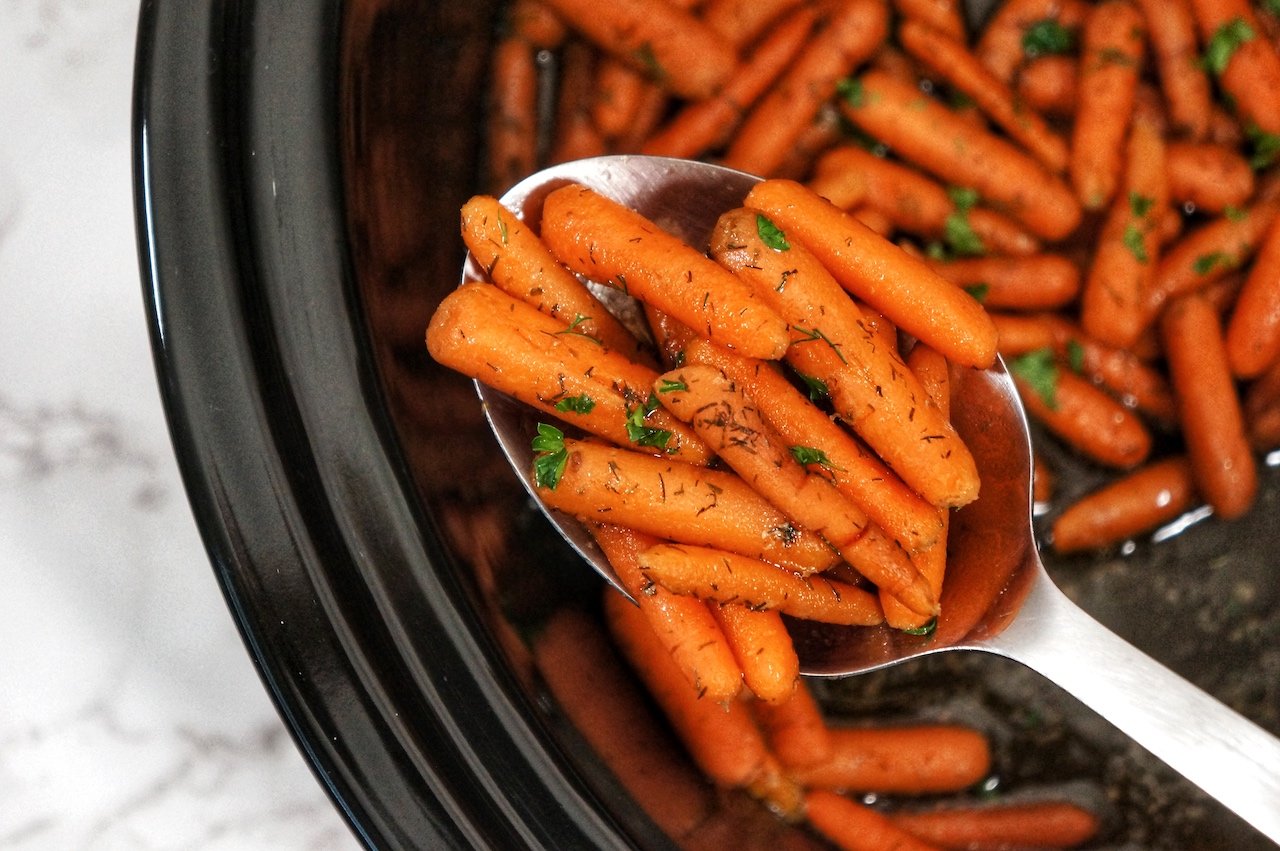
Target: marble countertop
(130, 713)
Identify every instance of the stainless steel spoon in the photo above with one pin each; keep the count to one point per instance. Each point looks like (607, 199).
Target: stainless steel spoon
(998, 597)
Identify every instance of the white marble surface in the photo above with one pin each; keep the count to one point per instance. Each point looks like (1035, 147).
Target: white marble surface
(130, 714)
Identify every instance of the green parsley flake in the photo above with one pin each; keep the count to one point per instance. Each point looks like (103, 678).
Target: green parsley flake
(926, 628)
(1047, 38)
(850, 89)
(1075, 356)
(1140, 205)
(1206, 263)
(1039, 369)
(1226, 40)
(1132, 239)
(770, 234)
(669, 386)
(550, 456)
(978, 291)
(1266, 147)
(580, 404)
(959, 235)
(807, 455)
(818, 390)
(642, 434)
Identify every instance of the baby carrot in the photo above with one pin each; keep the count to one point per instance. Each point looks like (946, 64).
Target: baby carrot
(1208, 406)
(707, 124)
(1113, 43)
(903, 288)
(945, 16)
(512, 133)
(743, 21)
(763, 649)
(1048, 85)
(1247, 65)
(485, 334)
(687, 628)
(1253, 331)
(1175, 46)
(575, 134)
(847, 37)
(730, 422)
(1135, 503)
(1035, 824)
(868, 384)
(617, 95)
(795, 728)
(908, 760)
(952, 61)
(852, 826)
(722, 738)
(518, 262)
(1213, 177)
(611, 244)
(714, 574)
(682, 502)
(659, 38)
(922, 130)
(1036, 282)
(850, 466)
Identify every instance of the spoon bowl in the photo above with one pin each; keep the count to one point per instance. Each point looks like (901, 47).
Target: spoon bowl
(997, 597)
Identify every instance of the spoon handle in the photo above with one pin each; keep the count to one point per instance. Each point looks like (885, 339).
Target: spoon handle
(1221, 751)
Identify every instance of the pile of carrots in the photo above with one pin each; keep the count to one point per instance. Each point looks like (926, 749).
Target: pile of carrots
(1083, 187)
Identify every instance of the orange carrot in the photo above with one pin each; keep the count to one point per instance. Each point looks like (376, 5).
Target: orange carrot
(907, 760)
(1000, 44)
(795, 729)
(650, 111)
(1247, 66)
(1048, 85)
(923, 131)
(1261, 408)
(1113, 306)
(1043, 480)
(1036, 282)
(763, 648)
(517, 261)
(535, 23)
(852, 32)
(867, 382)
(951, 60)
(707, 124)
(852, 826)
(1037, 824)
(687, 628)
(1113, 43)
(715, 574)
(617, 94)
(1088, 419)
(851, 467)
(945, 16)
(512, 121)
(682, 502)
(903, 288)
(657, 37)
(1208, 406)
(1022, 333)
(1253, 332)
(1211, 176)
(722, 738)
(1136, 503)
(485, 334)
(1175, 46)
(575, 133)
(723, 415)
(743, 21)
(608, 243)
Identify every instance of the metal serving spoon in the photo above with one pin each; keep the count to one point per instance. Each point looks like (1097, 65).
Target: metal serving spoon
(997, 597)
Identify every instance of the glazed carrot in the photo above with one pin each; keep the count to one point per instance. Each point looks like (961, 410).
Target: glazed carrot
(1211, 176)
(1131, 505)
(682, 502)
(575, 134)
(852, 826)
(1208, 406)
(535, 23)
(743, 21)
(1253, 332)
(1038, 824)
(688, 629)
(869, 385)
(517, 261)
(1247, 65)
(1080, 414)
(826, 130)
(926, 133)
(592, 686)
(1048, 85)
(850, 466)
(1113, 305)
(795, 729)
(1000, 44)
(904, 289)
(1112, 46)
(707, 124)
(608, 243)
(845, 188)
(763, 649)
(1261, 408)
(951, 60)
(846, 38)
(485, 334)
(512, 133)
(715, 574)
(617, 94)
(722, 738)
(945, 16)
(723, 415)
(1175, 46)
(874, 220)
(650, 111)
(907, 760)
(657, 37)
(1036, 282)
(1022, 333)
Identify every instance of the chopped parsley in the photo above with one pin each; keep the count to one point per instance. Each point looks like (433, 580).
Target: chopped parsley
(978, 291)
(850, 89)
(1140, 205)
(807, 455)
(1266, 147)
(770, 234)
(642, 434)
(1235, 214)
(1132, 239)
(1047, 37)
(1075, 356)
(580, 404)
(926, 628)
(1039, 369)
(550, 456)
(669, 386)
(818, 390)
(1226, 40)
(1206, 263)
